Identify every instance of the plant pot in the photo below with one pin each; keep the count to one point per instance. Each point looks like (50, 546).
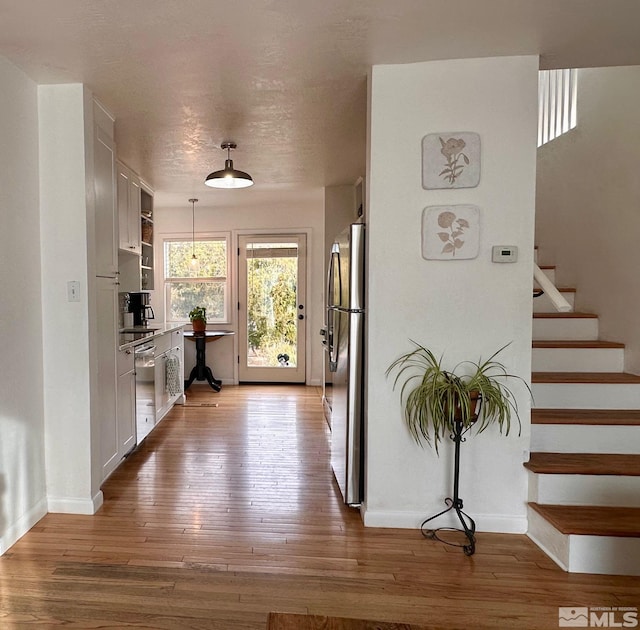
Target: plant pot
(199, 325)
(474, 408)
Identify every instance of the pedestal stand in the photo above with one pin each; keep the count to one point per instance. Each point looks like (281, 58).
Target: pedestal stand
(455, 503)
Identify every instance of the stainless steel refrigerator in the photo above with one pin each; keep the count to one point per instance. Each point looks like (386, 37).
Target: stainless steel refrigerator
(345, 345)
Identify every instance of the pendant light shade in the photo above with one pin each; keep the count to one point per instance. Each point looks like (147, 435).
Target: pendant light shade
(229, 177)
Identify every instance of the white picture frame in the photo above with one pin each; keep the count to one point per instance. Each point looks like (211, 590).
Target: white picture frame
(450, 232)
(450, 159)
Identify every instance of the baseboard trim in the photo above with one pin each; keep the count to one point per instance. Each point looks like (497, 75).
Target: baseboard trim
(495, 523)
(18, 529)
(69, 505)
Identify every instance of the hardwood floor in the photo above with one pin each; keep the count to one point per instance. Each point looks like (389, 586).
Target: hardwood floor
(229, 512)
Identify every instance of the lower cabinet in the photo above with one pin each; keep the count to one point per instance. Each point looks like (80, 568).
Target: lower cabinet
(169, 376)
(126, 419)
(105, 381)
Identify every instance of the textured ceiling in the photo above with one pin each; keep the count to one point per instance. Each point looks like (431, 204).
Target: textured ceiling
(285, 79)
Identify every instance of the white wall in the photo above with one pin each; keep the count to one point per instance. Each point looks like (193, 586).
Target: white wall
(22, 473)
(466, 308)
(71, 486)
(280, 213)
(588, 210)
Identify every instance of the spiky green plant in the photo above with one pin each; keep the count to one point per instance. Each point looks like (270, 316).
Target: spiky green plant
(434, 399)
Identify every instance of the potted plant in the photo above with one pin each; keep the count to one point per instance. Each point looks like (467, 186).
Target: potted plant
(198, 317)
(435, 399)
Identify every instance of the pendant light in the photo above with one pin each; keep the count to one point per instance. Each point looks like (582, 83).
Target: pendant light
(194, 260)
(229, 177)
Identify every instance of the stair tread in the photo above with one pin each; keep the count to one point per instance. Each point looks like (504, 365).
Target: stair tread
(623, 378)
(570, 315)
(566, 290)
(629, 417)
(560, 343)
(584, 464)
(592, 520)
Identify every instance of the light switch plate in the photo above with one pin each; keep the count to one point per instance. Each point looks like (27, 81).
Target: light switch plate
(73, 291)
(504, 254)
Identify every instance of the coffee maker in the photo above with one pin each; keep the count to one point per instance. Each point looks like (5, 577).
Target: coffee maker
(139, 306)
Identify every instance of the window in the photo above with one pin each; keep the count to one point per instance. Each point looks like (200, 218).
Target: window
(201, 284)
(557, 103)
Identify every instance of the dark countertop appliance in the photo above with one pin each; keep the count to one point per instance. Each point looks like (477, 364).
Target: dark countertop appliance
(139, 305)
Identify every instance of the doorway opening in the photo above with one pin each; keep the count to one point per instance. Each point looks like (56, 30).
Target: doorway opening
(272, 317)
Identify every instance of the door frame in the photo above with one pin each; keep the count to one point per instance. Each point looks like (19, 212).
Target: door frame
(235, 316)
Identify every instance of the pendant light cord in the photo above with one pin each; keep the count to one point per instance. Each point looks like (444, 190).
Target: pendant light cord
(193, 229)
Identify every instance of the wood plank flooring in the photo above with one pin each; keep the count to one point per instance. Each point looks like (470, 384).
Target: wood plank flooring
(285, 621)
(228, 513)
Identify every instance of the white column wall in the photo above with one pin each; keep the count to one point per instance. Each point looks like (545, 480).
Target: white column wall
(588, 215)
(267, 212)
(466, 309)
(63, 224)
(22, 472)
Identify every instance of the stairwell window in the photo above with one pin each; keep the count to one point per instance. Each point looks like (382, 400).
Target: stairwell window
(204, 283)
(557, 104)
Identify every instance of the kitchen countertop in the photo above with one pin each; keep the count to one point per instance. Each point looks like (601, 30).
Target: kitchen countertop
(130, 337)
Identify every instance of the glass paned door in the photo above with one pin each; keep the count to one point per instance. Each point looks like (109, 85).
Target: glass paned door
(272, 317)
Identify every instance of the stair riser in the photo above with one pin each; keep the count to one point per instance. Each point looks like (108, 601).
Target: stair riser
(609, 490)
(542, 303)
(586, 395)
(571, 329)
(580, 438)
(604, 555)
(578, 360)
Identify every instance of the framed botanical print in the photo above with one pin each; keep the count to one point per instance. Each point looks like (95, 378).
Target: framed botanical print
(451, 159)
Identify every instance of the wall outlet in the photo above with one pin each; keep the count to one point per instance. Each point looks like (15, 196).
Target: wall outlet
(73, 291)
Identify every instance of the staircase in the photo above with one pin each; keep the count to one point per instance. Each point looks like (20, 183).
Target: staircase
(584, 467)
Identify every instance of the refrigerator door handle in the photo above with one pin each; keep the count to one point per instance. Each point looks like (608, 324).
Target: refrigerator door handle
(332, 341)
(334, 268)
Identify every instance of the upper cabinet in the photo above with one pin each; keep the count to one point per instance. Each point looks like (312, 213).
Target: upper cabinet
(135, 223)
(146, 229)
(128, 210)
(106, 251)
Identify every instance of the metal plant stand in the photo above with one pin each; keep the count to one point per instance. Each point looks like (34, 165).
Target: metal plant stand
(455, 503)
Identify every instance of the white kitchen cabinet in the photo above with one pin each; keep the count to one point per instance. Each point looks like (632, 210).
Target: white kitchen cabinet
(106, 251)
(126, 429)
(106, 408)
(146, 228)
(128, 210)
(168, 346)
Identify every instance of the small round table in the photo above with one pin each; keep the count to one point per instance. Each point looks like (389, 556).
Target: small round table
(201, 371)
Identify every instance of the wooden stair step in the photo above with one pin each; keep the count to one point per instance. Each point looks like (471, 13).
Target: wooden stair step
(567, 289)
(560, 343)
(618, 378)
(590, 520)
(570, 315)
(584, 464)
(628, 417)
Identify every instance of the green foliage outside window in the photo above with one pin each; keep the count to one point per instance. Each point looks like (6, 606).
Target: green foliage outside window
(272, 300)
(201, 284)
